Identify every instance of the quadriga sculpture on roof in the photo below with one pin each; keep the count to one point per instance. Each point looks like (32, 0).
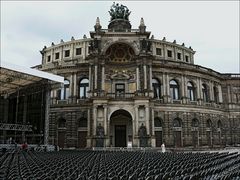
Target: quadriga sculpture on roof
(119, 12)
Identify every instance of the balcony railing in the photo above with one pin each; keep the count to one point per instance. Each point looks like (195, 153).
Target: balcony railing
(121, 95)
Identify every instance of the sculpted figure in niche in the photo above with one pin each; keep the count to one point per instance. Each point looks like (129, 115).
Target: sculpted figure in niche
(100, 130)
(142, 131)
(143, 139)
(100, 136)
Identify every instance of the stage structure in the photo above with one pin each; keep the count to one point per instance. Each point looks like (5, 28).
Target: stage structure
(24, 104)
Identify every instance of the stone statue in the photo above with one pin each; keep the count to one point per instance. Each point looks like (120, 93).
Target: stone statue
(94, 46)
(100, 136)
(146, 45)
(143, 138)
(142, 131)
(119, 12)
(100, 131)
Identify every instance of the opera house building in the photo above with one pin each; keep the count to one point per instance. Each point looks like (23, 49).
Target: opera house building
(124, 88)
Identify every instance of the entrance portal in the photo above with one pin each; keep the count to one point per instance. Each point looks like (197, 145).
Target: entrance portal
(120, 136)
(120, 128)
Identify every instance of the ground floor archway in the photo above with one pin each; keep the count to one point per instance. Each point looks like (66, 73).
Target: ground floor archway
(121, 128)
(159, 138)
(177, 138)
(61, 138)
(195, 138)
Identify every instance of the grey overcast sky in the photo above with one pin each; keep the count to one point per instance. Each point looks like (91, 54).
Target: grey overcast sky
(210, 28)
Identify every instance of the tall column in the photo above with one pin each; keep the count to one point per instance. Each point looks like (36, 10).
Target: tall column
(137, 78)
(47, 107)
(90, 80)
(105, 120)
(183, 86)
(145, 76)
(94, 120)
(167, 85)
(153, 138)
(164, 85)
(211, 96)
(84, 51)
(71, 86)
(103, 78)
(136, 118)
(153, 131)
(150, 77)
(147, 119)
(89, 144)
(229, 94)
(95, 78)
(220, 94)
(89, 123)
(200, 88)
(75, 85)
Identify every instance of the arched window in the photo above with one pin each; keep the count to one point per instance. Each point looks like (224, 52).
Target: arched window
(177, 122)
(205, 93)
(156, 88)
(209, 123)
(157, 122)
(215, 94)
(63, 93)
(191, 91)
(195, 123)
(82, 122)
(83, 88)
(61, 123)
(174, 90)
(219, 124)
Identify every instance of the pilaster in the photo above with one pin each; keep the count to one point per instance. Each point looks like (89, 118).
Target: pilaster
(103, 78)
(220, 94)
(145, 76)
(95, 77)
(147, 119)
(137, 79)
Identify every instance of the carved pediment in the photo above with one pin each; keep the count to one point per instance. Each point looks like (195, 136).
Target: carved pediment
(120, 76)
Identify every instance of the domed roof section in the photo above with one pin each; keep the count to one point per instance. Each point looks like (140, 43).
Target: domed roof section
(119, 18)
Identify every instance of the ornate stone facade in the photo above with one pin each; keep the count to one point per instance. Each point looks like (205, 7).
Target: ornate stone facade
(141, 92)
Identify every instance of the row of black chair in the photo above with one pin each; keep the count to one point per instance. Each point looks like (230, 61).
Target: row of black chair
(106, 165)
